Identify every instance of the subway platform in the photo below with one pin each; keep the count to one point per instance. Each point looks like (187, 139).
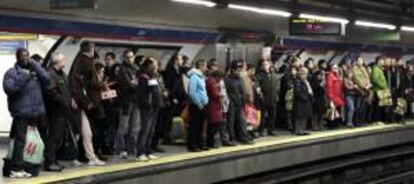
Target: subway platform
(268, 153)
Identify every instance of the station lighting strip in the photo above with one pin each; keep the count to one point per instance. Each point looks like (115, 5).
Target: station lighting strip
(375, 25)
(324, 18)
(302, 15)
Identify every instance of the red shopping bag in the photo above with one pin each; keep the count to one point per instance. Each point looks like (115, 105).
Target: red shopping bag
(252, 115)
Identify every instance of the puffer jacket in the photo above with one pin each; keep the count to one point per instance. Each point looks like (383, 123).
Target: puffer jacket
(24, 90)
(197, 88)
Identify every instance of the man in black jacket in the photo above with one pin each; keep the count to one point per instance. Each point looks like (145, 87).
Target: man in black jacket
(58, 103)
(129, 112)
(236, 120)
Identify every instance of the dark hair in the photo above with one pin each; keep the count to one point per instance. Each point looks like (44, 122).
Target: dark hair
(250, 66)
(235, 64)
(199, 63)
(20, 51)
(218, 74)
(212, 62)
(308, 61)
(322, 62)
(378, 58)
(146, 66)
(139, 59)
(85, 46)
(36, 57)
(331, 65)
(171, 62)
(110, 54)
(128, 51)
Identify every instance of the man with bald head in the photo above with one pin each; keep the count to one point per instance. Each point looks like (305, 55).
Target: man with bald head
(58, 103)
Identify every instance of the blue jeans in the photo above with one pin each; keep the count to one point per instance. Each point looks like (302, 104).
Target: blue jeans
(148, 122)
(129, 124)
(349, 109)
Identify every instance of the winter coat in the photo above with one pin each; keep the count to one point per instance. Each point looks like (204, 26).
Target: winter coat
(334, 89)
(302, 101)
(58, 95)
(24, 90)
(235, 90)
(127, 88)
(361, 76)
(214, 107)
(197, 88)
(379, 81)
(247, 87)
(86, 86)
(269, 84)
(174, 82)
(225, 101)
(149, 92)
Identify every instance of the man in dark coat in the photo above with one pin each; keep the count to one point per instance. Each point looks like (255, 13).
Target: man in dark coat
(87, 92)
(269, 87)
(236, 120)
(129, 112)
(23, 85)
(302, 102)
(59, 103)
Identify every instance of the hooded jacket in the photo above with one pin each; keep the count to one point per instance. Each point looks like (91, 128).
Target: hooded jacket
(197, 88)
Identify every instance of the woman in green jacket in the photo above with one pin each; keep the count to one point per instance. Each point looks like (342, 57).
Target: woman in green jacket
(379, 83)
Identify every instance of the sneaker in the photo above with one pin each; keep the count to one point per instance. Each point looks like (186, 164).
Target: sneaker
(143, 158)
(123, 155)
(76, 163)
(152, 157)
(19, 174)
(96, 162)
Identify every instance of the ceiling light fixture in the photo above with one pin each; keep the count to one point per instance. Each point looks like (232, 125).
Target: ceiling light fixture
(375, 25)
(260, 10)
(407, 28)
(324, 18)
(197, 2)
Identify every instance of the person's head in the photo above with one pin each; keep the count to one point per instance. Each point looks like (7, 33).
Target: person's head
(333, 68)
(400, 62)
(58, 60)
(309, 64)
(201, 65)
(23, 56)
(322, 64)
(218, 74)
(109, 59)
(359, 61)
(236, 67)
(251, 70)
(264, 65)
(303, 73)
(349, 74)
(150, 66)
(88, 47)
(293, 71)
(379, 60)
(296, 62)
(387, 61)
(186, 61)
(37, 58)
(116, 69)
(129, 56)
(139, 60)
(212, 65)
(393, 62)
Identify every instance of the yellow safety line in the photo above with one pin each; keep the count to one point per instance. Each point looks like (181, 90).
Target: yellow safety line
(85, 171)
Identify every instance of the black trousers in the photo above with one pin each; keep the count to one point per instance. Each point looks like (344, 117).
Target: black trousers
(98, 130)
(237, 124)
(269, 119)
(212, 131)
(18, 133)
(163, 126)
(110, 127)
(195, 128)
(57, 127)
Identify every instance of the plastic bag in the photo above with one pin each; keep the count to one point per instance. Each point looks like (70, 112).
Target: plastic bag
(252, 115)
(33, 149)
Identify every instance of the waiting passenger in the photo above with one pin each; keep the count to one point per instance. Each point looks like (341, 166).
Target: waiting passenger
(302, 102)
(380, 87)
(335, 93)
(198, 102)
(235, 117)
(23, 85)
(59, 103)
(269, 88)
(86, 89)
(149, 101)
(320, 100)
(129, 113)
(351, 90)
(215, 115)
(364, 95)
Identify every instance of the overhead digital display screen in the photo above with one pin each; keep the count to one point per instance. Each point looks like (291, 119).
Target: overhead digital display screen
(302, 26)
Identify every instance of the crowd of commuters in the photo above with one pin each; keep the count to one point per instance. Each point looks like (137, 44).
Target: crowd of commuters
(211, 101)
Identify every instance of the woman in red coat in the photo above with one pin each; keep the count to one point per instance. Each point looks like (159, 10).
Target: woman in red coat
(334, 88)
(214, 108)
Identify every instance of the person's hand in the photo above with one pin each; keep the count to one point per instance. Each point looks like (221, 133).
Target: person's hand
(90, 106)
(74, 105)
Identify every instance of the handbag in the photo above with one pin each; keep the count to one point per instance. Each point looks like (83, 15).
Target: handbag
(185, 113)
(384, 98)
(109, 94)
(252, 116)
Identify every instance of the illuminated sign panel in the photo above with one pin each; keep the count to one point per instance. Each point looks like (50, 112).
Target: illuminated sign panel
(301, 26)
